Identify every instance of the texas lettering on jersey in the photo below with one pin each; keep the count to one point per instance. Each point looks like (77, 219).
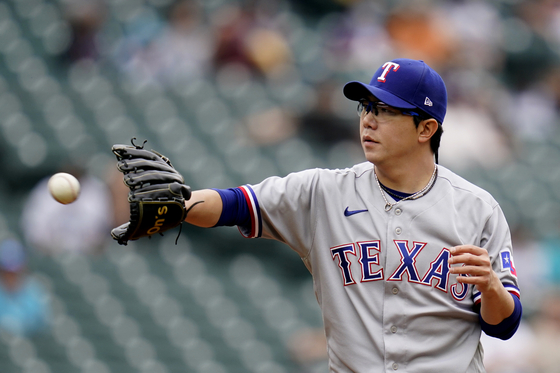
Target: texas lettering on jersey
(370, 269)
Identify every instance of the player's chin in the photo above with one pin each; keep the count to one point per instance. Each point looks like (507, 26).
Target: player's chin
(371, 151)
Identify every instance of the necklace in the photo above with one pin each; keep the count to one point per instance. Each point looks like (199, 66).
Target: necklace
(420, 193)
(392, 193)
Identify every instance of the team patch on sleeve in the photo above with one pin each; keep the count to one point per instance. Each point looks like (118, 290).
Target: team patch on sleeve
(507, 262)
(254, 211)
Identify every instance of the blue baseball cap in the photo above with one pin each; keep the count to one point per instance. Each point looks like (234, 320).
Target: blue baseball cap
(405, 84)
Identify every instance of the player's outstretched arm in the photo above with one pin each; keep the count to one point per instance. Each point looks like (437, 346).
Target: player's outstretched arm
(496, 302)
(159, 200)
(204, 207)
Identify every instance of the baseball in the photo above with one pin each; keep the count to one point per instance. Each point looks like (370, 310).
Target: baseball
(64, 187)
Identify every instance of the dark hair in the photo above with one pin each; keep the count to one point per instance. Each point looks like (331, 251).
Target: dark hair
(436, 138)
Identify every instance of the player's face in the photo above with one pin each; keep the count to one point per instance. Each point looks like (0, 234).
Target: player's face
(387, 133)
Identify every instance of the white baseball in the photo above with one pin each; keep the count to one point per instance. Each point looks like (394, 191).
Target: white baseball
(64, 187)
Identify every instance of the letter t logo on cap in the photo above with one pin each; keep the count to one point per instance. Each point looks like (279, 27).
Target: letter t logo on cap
(386, 68)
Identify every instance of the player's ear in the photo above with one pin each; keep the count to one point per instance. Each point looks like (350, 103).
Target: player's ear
(426, 129)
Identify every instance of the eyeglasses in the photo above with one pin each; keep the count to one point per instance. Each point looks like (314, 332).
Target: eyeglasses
(381, 110)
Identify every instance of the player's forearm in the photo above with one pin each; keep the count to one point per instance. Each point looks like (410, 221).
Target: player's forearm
(206, 208)
(496, 303)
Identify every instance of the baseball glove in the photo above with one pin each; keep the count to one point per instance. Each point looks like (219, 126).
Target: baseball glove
(157, 193)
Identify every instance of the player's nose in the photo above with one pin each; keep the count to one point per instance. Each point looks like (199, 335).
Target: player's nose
(368, 121)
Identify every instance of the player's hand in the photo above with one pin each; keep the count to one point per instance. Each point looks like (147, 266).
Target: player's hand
(476, 268)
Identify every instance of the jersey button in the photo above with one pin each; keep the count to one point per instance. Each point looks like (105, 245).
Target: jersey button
(395, 290)
(395, 366)
(398, 230)
(398, 212)
(393, 329)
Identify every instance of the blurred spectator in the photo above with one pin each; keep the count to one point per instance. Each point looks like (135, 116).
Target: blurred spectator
(249, 37)
(472, 139)
(476, 28)
(535, 105)
(345, 36)
(232, 25)
(186, 45)
(180, 49)
(85, 17)
(23, 301)
(421, 32)
(474, 132)
(134, 52)
(268, 50)
(80, 227)
(270, 126)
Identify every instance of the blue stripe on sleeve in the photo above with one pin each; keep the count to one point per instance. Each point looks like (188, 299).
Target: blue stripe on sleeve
(507, 328)
(235, 210)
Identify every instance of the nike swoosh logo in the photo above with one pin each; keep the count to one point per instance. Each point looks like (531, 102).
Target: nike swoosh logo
(352, 212)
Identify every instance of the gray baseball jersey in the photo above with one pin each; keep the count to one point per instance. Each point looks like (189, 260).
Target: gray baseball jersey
(382, 278)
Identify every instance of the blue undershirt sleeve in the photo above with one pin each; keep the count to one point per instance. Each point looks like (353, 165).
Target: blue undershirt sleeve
(507, 328)
(235, 210)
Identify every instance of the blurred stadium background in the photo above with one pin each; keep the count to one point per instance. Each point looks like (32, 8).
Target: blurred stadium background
(233, 92)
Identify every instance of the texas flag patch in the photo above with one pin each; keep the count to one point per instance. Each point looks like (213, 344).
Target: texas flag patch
(507, 262)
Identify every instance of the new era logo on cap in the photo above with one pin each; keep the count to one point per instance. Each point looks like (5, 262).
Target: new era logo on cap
(405, 84)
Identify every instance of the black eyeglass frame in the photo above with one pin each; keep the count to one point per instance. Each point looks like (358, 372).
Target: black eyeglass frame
(368, 106)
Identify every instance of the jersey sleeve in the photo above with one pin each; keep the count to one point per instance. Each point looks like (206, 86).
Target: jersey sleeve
(285, 209)
(507, 328)
(496, 239)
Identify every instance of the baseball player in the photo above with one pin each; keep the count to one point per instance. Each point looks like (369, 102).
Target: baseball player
(409, 261)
